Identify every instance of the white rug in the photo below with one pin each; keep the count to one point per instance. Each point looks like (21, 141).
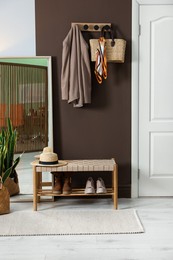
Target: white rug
(70, 222)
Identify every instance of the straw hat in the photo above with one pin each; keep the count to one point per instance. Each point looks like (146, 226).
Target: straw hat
(47, 157)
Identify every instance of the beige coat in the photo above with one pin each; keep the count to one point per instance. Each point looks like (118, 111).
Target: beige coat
(76, 73)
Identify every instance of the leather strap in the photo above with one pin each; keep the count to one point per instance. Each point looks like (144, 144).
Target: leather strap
(110, 31)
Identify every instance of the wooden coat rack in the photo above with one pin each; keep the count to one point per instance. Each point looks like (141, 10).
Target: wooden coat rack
(92, 27)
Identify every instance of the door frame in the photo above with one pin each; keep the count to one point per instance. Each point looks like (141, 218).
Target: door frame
(135, 90)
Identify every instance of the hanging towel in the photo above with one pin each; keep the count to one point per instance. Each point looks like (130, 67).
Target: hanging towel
(75, 73)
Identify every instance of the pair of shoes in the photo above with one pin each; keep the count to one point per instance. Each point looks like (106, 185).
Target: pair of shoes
(62, 187)
(100, 186)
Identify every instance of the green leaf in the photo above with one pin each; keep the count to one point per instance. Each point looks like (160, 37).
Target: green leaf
(9, 170)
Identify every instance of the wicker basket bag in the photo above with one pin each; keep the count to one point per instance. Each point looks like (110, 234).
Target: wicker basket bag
(115, 48)
(4, 200)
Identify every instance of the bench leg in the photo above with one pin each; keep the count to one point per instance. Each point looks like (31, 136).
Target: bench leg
(115, 186)
(39, 184)
(34, 189)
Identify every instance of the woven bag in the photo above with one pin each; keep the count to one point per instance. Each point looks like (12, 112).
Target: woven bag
(115, 48)
(4, 200)
(12, 185)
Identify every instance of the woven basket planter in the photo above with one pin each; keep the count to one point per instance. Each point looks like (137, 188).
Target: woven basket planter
(4, 200)
(12, 185)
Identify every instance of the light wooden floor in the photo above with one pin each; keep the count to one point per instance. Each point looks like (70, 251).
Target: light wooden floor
(156, 243)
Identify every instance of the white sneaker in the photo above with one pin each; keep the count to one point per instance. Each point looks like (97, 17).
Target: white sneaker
(89, 188)
(101, 186)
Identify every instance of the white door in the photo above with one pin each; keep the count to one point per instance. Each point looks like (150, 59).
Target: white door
(156, 100)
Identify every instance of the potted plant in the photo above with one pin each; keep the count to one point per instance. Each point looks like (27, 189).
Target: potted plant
(4, 176)
(8, 138)
(5, 172)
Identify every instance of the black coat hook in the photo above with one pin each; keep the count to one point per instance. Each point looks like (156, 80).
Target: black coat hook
(96, 27)
(106, 27)
(85, 27)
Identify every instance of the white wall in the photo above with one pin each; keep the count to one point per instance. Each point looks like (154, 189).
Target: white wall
(17, 28)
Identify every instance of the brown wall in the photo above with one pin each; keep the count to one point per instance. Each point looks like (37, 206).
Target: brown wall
(102, 129)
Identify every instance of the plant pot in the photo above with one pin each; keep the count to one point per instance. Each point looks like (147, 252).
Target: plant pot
(12, 184)
(4, 200)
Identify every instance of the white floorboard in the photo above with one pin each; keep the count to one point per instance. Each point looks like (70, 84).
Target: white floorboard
(156, 243)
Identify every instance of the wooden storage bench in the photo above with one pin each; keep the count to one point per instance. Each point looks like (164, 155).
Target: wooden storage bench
(107, 165)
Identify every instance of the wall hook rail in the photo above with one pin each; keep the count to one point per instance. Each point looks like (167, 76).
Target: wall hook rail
(92, 27)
